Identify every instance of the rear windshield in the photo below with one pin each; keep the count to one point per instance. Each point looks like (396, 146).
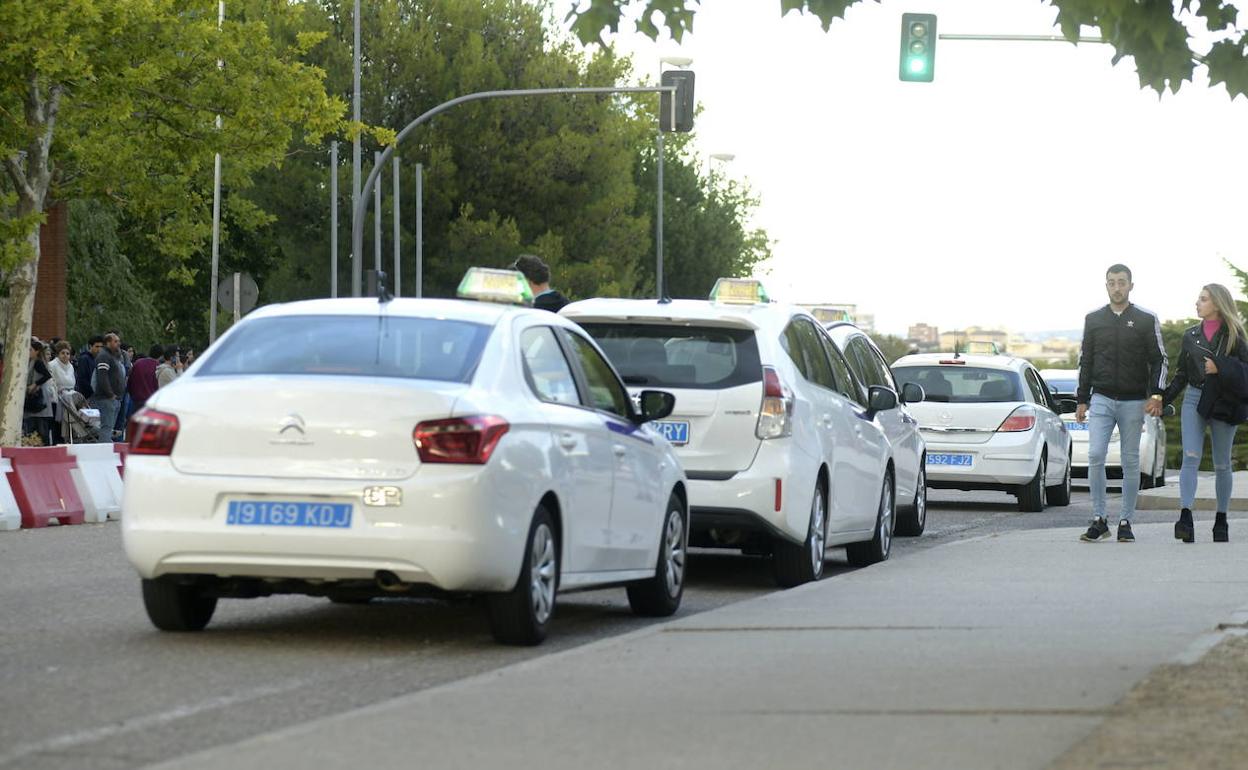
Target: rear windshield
(1062, 386)
(395, 346)
(705, 358)
(962, 384)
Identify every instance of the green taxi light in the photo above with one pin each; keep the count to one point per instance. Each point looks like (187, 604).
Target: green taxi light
(738, 291)
(491, 285)
(917, 66)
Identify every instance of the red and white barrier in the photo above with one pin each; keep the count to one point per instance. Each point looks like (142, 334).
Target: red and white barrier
(10, 515)
(42, 485)
(97, 480)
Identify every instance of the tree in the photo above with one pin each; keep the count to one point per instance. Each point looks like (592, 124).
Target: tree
(116, 100)
(891, 346)
(1152, 32)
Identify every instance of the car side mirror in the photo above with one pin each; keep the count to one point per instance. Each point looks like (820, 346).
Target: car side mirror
(655, 405)
(881, 399)
(1066, 405)
(912, 393)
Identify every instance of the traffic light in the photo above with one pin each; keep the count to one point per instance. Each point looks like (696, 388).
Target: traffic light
(918, 47)
(676, 110)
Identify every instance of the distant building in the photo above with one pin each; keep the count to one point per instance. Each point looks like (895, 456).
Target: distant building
(923, 336)
(958, 339)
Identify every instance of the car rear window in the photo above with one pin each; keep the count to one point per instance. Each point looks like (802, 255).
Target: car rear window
(363, 346)
(962, 384)
(697, 357)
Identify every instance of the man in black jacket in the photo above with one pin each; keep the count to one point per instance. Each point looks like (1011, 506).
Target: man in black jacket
(1122, 375)
(537, 273)
(84, 369)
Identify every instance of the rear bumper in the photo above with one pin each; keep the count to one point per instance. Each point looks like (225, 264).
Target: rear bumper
(747, 501)
(1003, 462)
(458, 528)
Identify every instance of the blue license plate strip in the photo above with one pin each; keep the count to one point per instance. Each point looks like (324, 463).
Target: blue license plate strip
(1071, 425)
(287, 513)
(949, 458)
(675, 431)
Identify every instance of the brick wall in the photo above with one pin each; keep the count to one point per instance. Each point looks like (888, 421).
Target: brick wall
(50, 299)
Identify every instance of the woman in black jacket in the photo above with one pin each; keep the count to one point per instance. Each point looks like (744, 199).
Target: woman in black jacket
(1219, 335)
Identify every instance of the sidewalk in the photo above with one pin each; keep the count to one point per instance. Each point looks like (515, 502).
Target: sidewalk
(1167, 497)
(997, 652)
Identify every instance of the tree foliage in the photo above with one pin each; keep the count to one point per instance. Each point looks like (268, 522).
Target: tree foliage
(1152, 32)
(116, 100)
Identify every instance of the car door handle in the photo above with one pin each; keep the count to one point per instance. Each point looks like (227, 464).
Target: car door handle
(567, 441)
(619, 449)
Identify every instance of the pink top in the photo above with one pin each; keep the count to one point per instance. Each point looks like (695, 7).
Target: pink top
(1210, 327)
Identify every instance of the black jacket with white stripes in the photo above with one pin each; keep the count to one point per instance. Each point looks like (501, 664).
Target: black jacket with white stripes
(1122, 356)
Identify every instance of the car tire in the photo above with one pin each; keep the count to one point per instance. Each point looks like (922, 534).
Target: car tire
(177, 606)
(350, 599)
(659, 596)
(1031, 494)
(796, 564)
(880, 545)
(912, 520)
(1059, 495)
(522, 615)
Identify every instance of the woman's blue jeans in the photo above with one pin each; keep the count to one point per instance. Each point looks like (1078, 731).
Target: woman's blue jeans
(1194, 447)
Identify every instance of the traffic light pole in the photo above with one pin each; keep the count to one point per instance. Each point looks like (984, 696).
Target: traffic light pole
(361, 203)
(1025, 38)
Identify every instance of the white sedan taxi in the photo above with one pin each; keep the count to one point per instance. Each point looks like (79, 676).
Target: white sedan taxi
(785, 455)
(355, 448)
(990, 422)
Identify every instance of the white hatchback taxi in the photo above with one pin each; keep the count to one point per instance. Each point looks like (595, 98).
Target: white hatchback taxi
(354, 448)
(990, 423)
(1064, 383)
(784, 454)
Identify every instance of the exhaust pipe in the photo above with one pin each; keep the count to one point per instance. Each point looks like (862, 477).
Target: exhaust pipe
(388, 581)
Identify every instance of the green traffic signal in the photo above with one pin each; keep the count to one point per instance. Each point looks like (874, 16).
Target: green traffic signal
(918, 47)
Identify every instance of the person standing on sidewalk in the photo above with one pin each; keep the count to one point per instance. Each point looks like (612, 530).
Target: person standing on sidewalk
(537, 273)
(110, 385)
(1219, 333)
(1122, 373)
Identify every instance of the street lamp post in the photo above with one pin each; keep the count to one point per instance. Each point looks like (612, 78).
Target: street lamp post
(356, 257)
(682, 62)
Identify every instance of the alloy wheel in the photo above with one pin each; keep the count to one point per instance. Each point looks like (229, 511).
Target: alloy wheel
(817, 548)
(886, 519)
(542, 573)
(674, 550)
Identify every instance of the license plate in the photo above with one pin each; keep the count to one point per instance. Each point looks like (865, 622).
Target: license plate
(675, 431)
(282, 513)
(949, 458)
(1076, 426)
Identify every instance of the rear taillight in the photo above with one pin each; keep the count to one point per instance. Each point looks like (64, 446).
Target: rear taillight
(467, 440)
(1021, 419)
(775, 416)
(152, 432)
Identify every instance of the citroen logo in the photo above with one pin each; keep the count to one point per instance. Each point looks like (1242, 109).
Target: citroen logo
(290, 431)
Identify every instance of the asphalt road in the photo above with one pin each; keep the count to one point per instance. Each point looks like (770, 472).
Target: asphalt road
(86, 682)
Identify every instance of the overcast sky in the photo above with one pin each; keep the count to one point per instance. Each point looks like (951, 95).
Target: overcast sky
(996, 195)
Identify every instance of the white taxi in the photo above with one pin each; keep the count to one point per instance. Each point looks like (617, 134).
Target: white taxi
(990, 422)
(1064, 383)
(783, 453)
(354, 448)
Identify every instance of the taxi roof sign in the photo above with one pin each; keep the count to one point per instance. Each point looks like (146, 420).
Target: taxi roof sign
(491, 285)
(739, 291)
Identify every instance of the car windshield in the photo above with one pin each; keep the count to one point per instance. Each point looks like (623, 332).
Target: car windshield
(363, 346)
(962, 384)
(698, 357)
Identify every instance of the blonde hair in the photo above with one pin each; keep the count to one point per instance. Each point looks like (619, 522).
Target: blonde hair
(1228, 311)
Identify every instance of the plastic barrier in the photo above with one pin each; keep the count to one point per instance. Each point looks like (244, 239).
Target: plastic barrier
(42, 485)
(10, 515)
(123, 451)
(97, 480)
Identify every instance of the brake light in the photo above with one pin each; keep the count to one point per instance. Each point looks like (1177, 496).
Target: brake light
(775, 416)
(1021, 419)
(467, 440)
(953, 361)
(152, 432)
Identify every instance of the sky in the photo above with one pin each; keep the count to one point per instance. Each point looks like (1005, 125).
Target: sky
(995, 196)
